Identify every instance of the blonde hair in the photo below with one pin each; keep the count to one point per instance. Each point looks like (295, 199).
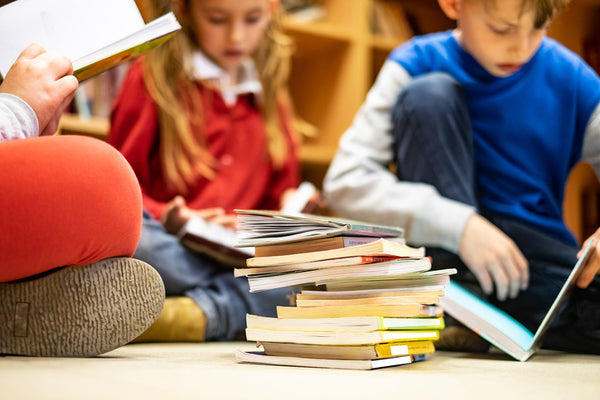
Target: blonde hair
(183, 151)
(545, 9)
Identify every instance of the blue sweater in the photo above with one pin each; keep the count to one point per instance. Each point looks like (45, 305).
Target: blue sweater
(528, 128)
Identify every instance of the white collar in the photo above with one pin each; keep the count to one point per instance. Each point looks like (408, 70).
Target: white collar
(201, 68)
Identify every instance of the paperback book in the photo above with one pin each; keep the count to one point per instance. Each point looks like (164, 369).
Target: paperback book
(498, 327)
(263, 228)
(258, 357)
(94, 34)
(358, 352)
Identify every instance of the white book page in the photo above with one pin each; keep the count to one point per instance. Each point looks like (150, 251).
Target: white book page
(72, 28)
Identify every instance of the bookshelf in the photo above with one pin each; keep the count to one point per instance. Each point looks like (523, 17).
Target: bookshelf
(337, 59)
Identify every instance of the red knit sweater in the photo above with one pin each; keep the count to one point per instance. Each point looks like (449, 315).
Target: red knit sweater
(235, 136)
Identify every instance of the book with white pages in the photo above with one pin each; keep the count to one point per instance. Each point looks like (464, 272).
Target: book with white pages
(498, 327)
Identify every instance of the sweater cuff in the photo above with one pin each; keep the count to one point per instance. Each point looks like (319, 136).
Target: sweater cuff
(19, 119)
(446, 223)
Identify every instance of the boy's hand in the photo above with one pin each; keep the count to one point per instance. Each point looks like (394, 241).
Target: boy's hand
(43, 80)
(494, 258)
(593, 265)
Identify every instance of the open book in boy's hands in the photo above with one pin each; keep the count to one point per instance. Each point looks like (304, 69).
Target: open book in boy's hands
(499, 328)
(95, 34)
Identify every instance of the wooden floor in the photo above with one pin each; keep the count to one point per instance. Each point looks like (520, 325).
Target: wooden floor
(209, 371)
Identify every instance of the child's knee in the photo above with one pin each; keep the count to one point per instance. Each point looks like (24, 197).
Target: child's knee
(434, 92)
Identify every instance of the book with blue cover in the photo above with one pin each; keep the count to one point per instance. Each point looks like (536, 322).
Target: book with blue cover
(498, 327)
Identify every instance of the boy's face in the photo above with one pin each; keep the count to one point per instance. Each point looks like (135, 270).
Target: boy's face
(228, 31)
(500, 36)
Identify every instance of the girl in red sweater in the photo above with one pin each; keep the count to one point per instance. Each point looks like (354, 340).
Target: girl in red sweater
(205, 122)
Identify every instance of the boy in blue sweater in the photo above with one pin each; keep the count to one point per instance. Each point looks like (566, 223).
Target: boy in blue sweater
(484, 124)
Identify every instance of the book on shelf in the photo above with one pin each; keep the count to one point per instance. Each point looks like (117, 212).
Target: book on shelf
(215, 241)
(382, 269)
(356, 352)
(259, 357)
(263, 228)
(498, 327)
(412, 310)
(390, 20)
(318, 244)
(95, 34)
(336, 262)
(347, 324)
(381, 247)
(339, 337)
(303, 11)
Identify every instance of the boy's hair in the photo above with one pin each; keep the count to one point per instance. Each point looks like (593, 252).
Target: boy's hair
(183, 151)
(545, 9)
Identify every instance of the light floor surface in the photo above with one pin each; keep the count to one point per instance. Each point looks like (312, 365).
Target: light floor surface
(209, 371)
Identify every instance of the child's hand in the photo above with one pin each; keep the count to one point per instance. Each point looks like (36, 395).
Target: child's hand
(178, 213)
(307, 200)
(45, 82)
(593, 265)
(494, 258)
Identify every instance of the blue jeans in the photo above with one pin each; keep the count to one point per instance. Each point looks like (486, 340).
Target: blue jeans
(224, 299)
(434, 145)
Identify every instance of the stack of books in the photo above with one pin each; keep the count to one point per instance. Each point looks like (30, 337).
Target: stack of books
(365, 299)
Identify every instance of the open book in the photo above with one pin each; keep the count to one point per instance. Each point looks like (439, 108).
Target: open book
(220, 243)
(95, 34)
(263, 228)
(499, 328)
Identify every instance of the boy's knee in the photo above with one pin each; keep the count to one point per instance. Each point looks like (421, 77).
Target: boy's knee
(434, 92)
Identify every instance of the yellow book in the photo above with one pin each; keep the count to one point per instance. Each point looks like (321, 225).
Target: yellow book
(348, 324)
(358, 352)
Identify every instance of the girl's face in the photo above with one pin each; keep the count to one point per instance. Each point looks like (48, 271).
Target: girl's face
(501, 37)
(228, 31)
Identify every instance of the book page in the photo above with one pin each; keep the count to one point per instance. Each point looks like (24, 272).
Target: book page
(72, 28)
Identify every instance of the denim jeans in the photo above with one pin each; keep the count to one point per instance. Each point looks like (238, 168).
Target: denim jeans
(434, 145)
(224, 299)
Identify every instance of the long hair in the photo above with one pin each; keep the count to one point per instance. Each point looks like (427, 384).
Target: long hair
(183, 150)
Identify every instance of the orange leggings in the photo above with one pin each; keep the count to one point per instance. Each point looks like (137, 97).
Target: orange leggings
(64, 200)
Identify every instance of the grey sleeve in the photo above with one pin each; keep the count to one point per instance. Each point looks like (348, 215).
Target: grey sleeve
(359, 184)
(591, 142)
(17, 118)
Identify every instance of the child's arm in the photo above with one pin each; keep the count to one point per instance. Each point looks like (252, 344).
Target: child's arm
(591, 155)
(359, 184)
